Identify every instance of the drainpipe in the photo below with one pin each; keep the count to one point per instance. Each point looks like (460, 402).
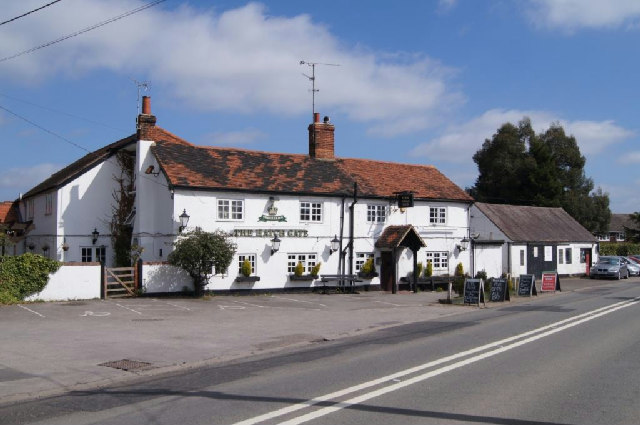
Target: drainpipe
(341, 254)
(351, 226)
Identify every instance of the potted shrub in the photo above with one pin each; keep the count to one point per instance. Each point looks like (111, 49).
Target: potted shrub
(298, 273)
(428, 271)
(245, 270)
(368, 270)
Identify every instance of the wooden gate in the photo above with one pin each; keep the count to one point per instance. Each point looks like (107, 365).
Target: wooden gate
(119, 282)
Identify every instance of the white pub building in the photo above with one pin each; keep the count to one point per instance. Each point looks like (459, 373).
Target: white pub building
(280, 209)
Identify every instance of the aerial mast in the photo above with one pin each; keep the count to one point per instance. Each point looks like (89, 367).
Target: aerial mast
(312, 78)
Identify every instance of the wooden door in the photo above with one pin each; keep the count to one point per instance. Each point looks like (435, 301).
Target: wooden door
(387, 271)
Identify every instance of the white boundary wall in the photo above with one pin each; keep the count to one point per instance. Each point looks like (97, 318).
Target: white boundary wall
(71, 282)
(162, 277)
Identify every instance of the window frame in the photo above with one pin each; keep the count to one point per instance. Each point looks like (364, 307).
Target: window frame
(438, 256)
(439, 217)
(361, 258)
(48, 204)
(231, 215)
(252, 259)
(377, 213)
(307, 263)
(318, 213)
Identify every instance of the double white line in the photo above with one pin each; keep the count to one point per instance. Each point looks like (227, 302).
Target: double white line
(487, 350)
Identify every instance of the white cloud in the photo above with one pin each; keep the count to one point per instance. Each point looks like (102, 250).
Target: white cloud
(574, 14)
(26, 177)
(630, 158)
(233, 138)
(240, 60)
(622, 198)
(458, 143)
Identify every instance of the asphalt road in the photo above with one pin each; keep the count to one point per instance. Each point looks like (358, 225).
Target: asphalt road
(569, 359)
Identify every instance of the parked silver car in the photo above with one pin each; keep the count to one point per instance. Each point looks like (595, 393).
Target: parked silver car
(610, 266)
(632, 266)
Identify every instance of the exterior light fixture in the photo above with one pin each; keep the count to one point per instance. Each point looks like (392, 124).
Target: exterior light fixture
(184, 220)
(464, 244)
(335, 245)
(94, 235)
(65, 246)
(275, 244)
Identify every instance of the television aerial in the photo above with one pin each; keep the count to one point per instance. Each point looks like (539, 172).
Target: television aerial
(312, 78)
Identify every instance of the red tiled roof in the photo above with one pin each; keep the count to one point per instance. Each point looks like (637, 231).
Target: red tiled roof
(8, 212)
(186, 165)
(393, 236)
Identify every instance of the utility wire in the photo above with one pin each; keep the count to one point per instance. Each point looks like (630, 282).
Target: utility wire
(30, 12)
(54, 134)
(92, 27)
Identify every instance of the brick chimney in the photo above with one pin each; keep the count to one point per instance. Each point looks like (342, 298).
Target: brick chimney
(146, 121)
(321, 139)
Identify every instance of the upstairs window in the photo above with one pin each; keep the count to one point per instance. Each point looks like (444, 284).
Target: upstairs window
(311, 211)
(230, 209)
(29, 208)
(48, 204)
(437, 215)
(376, 213)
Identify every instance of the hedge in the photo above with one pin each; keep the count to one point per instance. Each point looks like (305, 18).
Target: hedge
(24, 275)
(619, 248)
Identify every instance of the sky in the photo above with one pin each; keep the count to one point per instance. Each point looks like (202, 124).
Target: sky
(421, 82)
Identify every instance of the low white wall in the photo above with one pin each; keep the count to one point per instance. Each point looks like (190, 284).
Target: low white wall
(71, 282)
(163, 277)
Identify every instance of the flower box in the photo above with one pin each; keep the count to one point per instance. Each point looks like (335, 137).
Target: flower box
(304, 277)
(247, 279)
(367, 275)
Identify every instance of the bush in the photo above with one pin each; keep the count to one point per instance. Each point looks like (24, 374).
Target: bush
(24, 275)
(246, 268)
(368, 267)
(420, 267)
(316, 270)
(458, 280)
(482, 275)
(299, 270)
(428, 271)
(619, 248)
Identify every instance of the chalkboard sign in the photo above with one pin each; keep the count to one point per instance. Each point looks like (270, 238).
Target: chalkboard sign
(527, 286)
(499, 290)
(473, 291)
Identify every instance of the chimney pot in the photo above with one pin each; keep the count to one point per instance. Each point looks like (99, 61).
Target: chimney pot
(146, 105)
(316, 117)
(321, 138)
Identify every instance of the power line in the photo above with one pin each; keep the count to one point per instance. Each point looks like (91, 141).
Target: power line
(30, 12)
(92, 27)
(46, 130)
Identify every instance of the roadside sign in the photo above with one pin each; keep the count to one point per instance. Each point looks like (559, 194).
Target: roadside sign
(527, 285)
(549, 281)
(499, 290)
(473, 291)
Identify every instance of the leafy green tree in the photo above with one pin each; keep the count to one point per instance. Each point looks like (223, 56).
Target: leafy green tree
(633, 234)
(519, 167)
(201, 254)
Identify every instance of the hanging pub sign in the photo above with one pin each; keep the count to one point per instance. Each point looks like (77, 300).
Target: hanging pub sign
(473, 291)
(527, 285)
(550, 282)
(404, 199)
(499, 290)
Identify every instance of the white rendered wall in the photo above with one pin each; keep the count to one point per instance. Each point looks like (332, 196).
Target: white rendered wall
(575, 267)
(489, 259)
(162, 277)
(71, 282)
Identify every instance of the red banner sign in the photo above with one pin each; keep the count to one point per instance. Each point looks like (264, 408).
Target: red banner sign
(549, 281)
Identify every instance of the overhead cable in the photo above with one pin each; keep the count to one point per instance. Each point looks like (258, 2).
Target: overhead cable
(30, 12)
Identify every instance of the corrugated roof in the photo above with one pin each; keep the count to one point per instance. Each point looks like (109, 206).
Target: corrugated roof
(186, 165)
(535, 224)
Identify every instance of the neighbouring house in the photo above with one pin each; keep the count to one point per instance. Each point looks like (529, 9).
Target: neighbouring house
(280, 209)
(617, 228)
(12, 227)
(515, 239)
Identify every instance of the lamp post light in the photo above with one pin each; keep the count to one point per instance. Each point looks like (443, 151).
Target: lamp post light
(184, 220)
(275, 244)
(335, 245)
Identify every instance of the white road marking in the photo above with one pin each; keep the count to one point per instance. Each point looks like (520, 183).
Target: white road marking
(231, 307)
(395, 305)
(127, 308)
(252, 305)
(299, 301)
(96, 314)
(503, 345)
(28, 309)
(178, 306)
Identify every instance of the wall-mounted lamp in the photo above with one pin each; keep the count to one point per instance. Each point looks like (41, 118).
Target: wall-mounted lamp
(184, 220)
(335, 245)
(463, 245)
(150, 169)
(275, 244)
(94, 235)
(65, 246)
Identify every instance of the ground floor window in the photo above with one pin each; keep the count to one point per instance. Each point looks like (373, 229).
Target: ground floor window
(249, 257)
(308, 262)
(567, 256)
(560, 256)
(361, 258)
(93, 253)
(522, 257)
(439, 260)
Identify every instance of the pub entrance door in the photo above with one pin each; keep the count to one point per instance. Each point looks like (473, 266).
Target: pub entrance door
(387, 271)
